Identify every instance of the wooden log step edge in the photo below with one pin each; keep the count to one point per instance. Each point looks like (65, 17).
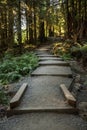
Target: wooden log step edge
(16, 99)
(70, 98)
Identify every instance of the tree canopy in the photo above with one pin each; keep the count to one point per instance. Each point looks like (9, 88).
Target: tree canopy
(29, 21)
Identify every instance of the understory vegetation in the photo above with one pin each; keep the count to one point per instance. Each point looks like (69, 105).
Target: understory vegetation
(3, 98)
(13, 68)
(68, 50)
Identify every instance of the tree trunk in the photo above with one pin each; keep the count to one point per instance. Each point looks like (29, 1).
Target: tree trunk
(19, 26)
(10, 27)
(35, 34)
(4, 44)
(30, 27)
(41, 32)
(27, 22)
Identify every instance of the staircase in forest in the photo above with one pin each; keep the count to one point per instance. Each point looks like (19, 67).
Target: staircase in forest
(47, 88)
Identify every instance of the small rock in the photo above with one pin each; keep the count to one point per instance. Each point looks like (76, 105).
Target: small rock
(1, 88)
(82, 86)
(77, 86)
(6, 87)
(77, 80)
(83, 115)
(85, 85)
(83, 106)
(2, 111)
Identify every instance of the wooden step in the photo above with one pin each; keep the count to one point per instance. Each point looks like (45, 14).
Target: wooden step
(50, 58)
(16, 99)
(47, 55)
(61, 109)
(54, 62)
(70, 98)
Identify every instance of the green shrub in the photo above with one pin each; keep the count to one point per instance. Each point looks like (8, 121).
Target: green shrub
(3, 98)
(13, 68)
(67, 56)
(84, 49)
(79, 52)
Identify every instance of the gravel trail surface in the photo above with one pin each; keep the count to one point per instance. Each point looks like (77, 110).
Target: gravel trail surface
(44, 121)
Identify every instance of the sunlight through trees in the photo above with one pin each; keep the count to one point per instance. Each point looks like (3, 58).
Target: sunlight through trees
(32, 21)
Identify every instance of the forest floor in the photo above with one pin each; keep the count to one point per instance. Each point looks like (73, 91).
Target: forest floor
(48, 120)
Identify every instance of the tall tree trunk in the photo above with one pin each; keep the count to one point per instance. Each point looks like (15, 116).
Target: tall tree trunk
(30, 27)
(85, 19)
(46, 29)
(67, 18)
(4, 45)
(47, 15)
(27, 22)
(10, 27)
(41, 32)
(31, 33)
(19, 26)
(35, 34)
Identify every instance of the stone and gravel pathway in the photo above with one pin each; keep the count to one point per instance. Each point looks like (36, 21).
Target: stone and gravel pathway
(44, 85)
(44, 121)
(44, 91)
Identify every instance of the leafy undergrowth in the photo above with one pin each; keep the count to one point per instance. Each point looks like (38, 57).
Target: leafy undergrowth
(3, 98)
(69, 50)
(13, 68)
(62, 49)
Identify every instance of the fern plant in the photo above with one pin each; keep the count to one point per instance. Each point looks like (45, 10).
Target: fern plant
(13, 68)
